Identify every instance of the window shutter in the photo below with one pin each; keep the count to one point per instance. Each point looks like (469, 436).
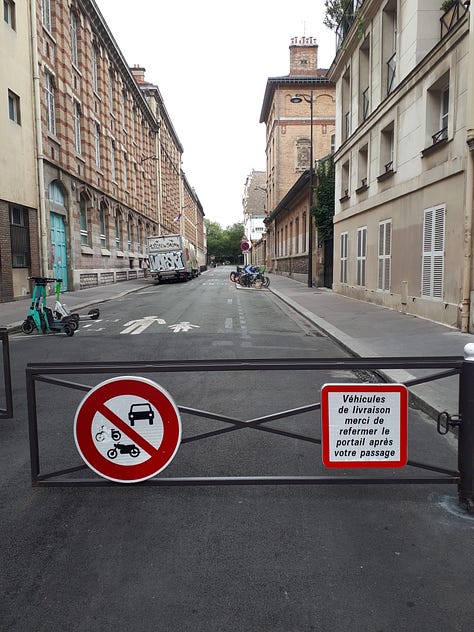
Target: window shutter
(433, 253)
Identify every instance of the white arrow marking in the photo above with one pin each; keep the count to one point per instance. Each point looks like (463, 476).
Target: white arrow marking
(138, 326)
(185, 326)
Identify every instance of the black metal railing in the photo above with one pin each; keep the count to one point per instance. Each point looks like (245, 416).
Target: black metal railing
(439, 136)
(348, 18)
(7, 412)
(50, 373)
(452, 16)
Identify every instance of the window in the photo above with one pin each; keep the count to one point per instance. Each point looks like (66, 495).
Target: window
(437, 115)
(433, 253)
(14, 107)
(123, 107)
(97, 144)
(361, 255)
(343, 258)
(95, 69)
(77, 126)
(73, 32)
(125, 171)
(19, 236)
(50, 105)
(333, 143)
(389, 44)
(346, 104)
(129, 233)
(83, 220)
(102, 226)
(364, 72)
(111, 90)
(385, 246)
(345, 180)
(112, 160)
(302, 154)
(118, 231)
(46, 14)
(387, 144)
(363, 166)
(9, 13)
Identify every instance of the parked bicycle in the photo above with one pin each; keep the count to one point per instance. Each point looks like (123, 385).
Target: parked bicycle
(250, 276)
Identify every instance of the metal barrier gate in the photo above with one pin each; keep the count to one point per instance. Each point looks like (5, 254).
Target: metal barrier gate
(450, 366)
(7, 412)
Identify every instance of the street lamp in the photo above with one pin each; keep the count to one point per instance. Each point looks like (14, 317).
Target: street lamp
(298, 98)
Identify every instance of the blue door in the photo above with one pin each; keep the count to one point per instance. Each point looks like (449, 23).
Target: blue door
(58, 248)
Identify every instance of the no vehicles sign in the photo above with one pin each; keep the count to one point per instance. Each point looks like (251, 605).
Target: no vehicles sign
(364, 425)
(127, 429)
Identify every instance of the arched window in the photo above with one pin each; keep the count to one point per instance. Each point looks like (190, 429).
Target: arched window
(83, 220)
(103, 225)
(56, 194)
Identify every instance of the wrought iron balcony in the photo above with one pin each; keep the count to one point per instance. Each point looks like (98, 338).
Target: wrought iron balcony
(452, 16)
(439, 136)
(348, 17)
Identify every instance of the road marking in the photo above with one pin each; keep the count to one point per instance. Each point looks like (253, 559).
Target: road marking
(184, 326)
(138, 326)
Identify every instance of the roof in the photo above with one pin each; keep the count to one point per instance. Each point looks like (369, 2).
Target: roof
(319, 79)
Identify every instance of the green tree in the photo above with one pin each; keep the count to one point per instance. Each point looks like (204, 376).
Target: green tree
(335, 10)
(323, 210)
(224, 244)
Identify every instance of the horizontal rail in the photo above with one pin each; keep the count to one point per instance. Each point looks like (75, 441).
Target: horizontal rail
(275, 364)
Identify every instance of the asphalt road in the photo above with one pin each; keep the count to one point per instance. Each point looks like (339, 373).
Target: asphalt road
(217, 559)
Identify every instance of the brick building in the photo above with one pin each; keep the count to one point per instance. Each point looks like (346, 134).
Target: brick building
(109, 161)
(288, 136)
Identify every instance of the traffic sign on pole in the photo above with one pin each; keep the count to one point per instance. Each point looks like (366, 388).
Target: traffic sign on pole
(127, 429)
(364, 425)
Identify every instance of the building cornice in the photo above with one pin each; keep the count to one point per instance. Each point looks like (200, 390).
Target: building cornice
(273, 83)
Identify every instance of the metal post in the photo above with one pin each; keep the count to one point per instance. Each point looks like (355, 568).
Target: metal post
(6, 413)
(310, 197)
(466, 431)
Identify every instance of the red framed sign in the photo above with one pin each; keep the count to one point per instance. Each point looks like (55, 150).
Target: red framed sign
(127, 429)
(364, 425)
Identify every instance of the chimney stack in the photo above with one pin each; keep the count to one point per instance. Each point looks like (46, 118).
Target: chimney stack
(303, 56)
(139, 73)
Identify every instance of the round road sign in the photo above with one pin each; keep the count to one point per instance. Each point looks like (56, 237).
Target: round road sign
(245, 246)
(127, 429)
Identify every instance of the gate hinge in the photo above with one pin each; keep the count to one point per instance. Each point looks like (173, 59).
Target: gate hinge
(447, 421)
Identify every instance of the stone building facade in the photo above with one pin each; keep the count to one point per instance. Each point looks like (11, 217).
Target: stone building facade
(288, 137)
(109, 168)
(19, 255)
(404, 193)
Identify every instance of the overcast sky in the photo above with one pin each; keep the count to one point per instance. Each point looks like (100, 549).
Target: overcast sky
(211, 60)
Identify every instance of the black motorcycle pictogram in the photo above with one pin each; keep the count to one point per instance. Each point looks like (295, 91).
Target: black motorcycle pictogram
(123, 448)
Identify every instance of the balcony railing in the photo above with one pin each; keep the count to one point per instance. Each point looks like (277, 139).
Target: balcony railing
(365, 104)
(391, 71)
(439, 136)
(452, 16)
(347, 20)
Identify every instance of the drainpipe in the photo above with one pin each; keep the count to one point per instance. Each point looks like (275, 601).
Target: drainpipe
(42, 224)
(468, 215)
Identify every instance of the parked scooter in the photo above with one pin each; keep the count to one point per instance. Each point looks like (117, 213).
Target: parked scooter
(61, 310)
(41, 318)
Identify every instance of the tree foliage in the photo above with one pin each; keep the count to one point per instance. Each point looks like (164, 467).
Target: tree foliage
(335, 10)
(323, 210)
(224, 244)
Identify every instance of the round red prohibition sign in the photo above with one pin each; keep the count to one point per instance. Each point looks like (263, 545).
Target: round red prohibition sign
(127, 429)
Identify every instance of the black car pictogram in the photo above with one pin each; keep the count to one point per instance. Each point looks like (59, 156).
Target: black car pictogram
(140, 411)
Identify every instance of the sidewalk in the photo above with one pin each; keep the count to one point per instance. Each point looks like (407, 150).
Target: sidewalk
(363, 329)
(12, 314)
(367, 330)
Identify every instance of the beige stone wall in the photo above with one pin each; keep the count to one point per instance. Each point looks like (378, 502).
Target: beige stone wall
(422, 174)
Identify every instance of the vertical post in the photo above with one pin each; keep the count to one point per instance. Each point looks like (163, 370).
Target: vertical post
(310, 196)
(32, 425)
(6, 413)
(466, 431)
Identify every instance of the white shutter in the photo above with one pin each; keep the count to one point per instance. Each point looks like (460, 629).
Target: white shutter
(432, 273)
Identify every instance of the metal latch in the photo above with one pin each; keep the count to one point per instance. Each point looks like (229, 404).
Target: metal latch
(447, 421)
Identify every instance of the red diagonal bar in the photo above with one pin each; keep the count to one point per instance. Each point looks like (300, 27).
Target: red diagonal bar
(127, 430)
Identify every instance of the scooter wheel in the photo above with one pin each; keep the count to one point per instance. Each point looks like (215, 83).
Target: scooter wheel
(27, 327)
(73, 324)
(68, 330)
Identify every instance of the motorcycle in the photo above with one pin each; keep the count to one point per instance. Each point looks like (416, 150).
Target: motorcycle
(123, 448)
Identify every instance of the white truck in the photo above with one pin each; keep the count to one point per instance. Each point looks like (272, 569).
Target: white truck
(171, 258)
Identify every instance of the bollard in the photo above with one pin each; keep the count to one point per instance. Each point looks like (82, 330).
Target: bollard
(466, 431)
